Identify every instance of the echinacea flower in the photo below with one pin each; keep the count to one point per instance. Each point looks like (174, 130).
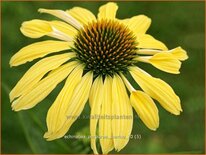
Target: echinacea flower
(98, 55)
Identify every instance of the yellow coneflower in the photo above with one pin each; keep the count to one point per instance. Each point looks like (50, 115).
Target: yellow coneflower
(98, 55)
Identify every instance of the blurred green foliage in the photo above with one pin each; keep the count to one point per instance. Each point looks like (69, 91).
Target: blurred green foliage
(175, 23)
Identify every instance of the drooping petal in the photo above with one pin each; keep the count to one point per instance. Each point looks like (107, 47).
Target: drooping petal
(164, 61)
(75, 106)
(36, 72)
(105, 124)
(147, 41)
(157, 89)
(64, 28)
(145, 108)
(40, 90)
(84, 16)
(179, 53)
(121, 127)
(62, 15)
(108, 11)
(38, 50)
(138, 24)
(36, 28)
(95, 100)
(56, 115)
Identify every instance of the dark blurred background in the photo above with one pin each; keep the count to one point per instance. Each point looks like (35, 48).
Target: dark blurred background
(174, 23)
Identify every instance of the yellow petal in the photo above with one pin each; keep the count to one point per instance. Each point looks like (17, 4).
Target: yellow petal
(64, 27)
(39, 91)
(108, 11)
(95, 100)
(121, 127)
(157, 89)
(179, 53)
(75, 106)
(145, 108)
(36, 28)
(36, 72)
(138, 24)
(62, 15)
(105, 124)
(147, 41)
(56, 115)
(84, 16)
(38, 50)
(166, 62)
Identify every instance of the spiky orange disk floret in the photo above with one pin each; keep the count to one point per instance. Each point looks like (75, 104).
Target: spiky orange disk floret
(105, 47)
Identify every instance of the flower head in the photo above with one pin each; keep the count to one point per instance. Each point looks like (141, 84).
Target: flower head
(98, 54)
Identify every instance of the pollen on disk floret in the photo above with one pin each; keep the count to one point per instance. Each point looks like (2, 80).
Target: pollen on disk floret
(105, 47)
